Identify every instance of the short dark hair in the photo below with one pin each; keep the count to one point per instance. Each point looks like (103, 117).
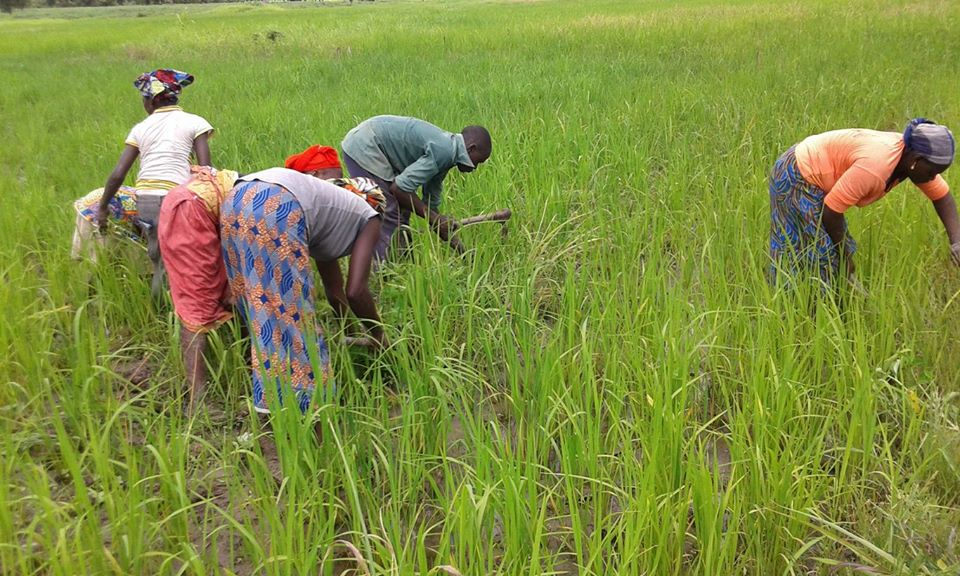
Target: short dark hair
(165, 99)
(480, 136)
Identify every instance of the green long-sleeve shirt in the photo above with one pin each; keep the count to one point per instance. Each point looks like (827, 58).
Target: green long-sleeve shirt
(410, 152)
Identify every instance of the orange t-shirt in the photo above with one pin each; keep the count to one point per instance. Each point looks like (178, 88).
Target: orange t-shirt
(852, 166)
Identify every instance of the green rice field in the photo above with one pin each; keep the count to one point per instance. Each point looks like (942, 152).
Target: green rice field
(610, 388)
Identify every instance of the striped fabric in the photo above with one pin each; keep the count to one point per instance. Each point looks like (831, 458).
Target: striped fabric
(265, 245)
(798, 244)
(148, 184)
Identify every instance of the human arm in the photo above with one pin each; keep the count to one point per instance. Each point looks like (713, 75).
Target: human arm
(427, 172)
(433, 192)
(859, 185)
(332, 280)
(946, 209)
(201, 149)
(127, 157)
(438, 222)
(835, 225)
(358, 294)
(433, 196)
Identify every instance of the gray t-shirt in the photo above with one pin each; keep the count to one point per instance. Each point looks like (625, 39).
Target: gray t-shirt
(334, 216)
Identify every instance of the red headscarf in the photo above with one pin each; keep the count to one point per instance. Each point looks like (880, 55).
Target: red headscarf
(313, 158)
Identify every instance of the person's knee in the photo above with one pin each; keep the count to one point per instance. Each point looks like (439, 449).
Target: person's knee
(153, 247)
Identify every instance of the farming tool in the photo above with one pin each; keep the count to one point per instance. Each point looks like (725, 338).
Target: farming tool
(501, 216)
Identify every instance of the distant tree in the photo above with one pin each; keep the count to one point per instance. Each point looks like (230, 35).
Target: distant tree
(8, 5)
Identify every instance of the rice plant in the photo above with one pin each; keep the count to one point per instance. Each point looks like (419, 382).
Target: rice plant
(610, 388)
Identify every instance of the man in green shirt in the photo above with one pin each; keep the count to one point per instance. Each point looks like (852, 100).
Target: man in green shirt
(402, 154)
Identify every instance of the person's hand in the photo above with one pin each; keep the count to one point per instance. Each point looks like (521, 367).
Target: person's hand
(380, 337)
(955, 253)
(359, 341)
(452, 225)
(856, 286)
(376, 341)
(852, 281)
(851, 269)
(457, 245)
(102, 218)
(446, 227)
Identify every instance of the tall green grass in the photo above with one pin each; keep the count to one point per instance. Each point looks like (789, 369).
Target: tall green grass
(611, 388)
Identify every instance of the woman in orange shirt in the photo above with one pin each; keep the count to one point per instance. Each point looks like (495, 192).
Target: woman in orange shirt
(815, 182)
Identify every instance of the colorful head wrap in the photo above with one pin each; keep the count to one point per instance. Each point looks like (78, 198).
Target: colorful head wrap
(366, 189)
(314, 158)
(930, 140)
(164, 81)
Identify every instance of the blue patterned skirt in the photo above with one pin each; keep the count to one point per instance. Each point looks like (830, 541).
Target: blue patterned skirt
(799, 246)
(265, 245)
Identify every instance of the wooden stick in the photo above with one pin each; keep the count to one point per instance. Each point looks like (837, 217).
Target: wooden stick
(498, 216)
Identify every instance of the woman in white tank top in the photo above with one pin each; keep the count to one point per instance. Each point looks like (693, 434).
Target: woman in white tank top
(163, 142)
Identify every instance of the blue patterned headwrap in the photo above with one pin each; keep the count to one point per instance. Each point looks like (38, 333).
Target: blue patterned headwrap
(930, 140)
(165, 82)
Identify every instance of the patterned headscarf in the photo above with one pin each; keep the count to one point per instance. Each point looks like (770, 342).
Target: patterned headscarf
(930, 140)
(366, 189)
(165, 82)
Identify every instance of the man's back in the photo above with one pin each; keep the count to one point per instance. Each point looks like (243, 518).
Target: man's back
(386, 145)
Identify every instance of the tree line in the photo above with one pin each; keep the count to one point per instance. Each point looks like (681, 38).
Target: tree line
(9, 6)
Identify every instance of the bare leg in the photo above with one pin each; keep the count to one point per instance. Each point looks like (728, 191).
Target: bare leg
(158, 280)
(148, 212)
(193, 345)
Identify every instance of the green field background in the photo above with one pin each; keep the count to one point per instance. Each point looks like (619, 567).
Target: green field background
(611, 388)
